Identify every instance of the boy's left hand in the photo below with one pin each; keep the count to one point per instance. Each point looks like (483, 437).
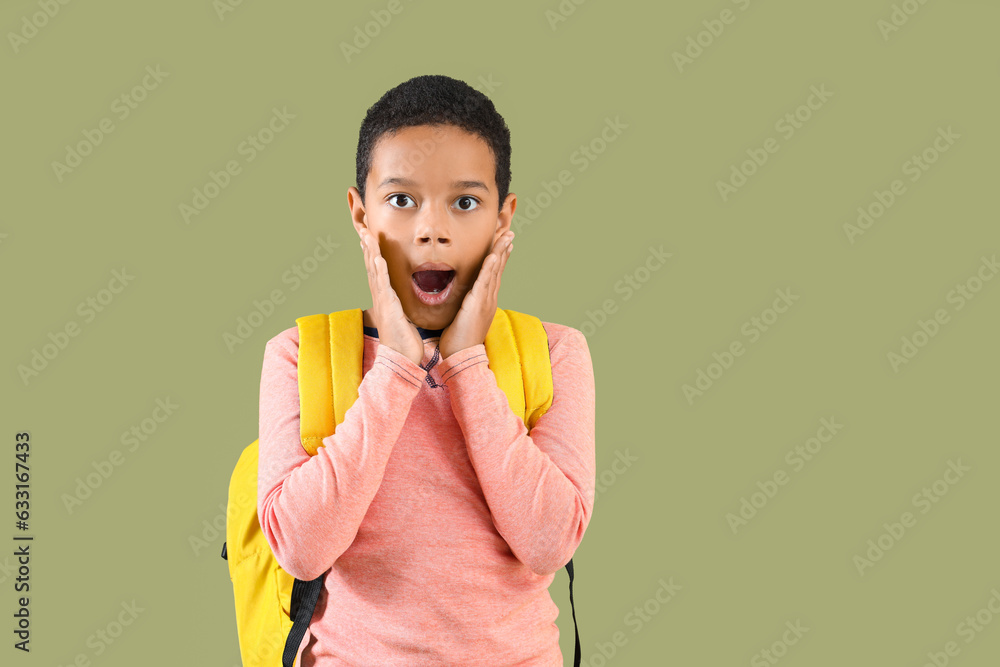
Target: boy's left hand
(475, 316)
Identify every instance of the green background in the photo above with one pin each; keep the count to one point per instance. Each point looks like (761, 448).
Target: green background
(655, 186)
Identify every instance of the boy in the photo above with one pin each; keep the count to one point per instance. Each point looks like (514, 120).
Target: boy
(438, 521)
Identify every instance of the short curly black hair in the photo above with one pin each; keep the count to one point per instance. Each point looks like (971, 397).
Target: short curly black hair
(434, 99)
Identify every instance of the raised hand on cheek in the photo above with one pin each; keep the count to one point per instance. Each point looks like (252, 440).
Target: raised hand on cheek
(479, 305)
(394, 328)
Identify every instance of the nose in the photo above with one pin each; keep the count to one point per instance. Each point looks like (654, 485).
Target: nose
(432, 228)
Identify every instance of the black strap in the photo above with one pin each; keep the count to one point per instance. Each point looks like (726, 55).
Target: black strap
(576, 654)
(303, 604)
(224, 555)
(306, 593)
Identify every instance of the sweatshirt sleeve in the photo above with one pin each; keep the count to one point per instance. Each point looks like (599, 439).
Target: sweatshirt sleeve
(310, 507)
(539, 487)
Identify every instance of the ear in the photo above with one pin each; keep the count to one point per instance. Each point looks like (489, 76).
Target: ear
(506, 216)
(357, 209)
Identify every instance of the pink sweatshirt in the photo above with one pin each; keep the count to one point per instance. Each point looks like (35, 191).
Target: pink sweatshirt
(439, 522)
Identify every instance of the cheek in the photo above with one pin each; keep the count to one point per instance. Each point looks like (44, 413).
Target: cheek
(392, 253)
(400, 279)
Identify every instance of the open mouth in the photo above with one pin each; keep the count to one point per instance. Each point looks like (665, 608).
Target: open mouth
(433, 288)
(433, 282)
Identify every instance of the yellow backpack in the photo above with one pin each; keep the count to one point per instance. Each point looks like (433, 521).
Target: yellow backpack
(273, 609)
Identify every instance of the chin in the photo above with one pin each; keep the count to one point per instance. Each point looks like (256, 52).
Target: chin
(428, 318)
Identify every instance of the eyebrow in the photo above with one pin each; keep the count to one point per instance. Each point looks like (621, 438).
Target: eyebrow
(457, 185)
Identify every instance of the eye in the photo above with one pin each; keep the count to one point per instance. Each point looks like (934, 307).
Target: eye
(472, 199)
(400, 196)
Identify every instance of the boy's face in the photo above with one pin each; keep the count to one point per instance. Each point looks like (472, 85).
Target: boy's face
(432, 197)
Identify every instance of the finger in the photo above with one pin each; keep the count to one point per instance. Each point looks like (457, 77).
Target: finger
(502, 251)
(364, 257)
(381, 272)
(373, 276)
(367, 253)
(506, 255)
(368, 259)
(501, 262)
(381, 278)
(503, 254)
(376, 270)
(489, 285)
(386, 291)
(491, 273)
(477, 283)
(481, 280)
(370, 269)
(497, 265)
(499, 274)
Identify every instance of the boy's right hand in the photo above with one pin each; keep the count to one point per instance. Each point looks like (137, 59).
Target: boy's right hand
(394, 328)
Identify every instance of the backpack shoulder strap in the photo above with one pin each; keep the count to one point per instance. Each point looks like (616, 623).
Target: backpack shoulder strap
(329, 369)
(347, 344)
(518, 353)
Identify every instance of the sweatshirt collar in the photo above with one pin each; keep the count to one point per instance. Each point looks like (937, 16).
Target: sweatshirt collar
(424, 333)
